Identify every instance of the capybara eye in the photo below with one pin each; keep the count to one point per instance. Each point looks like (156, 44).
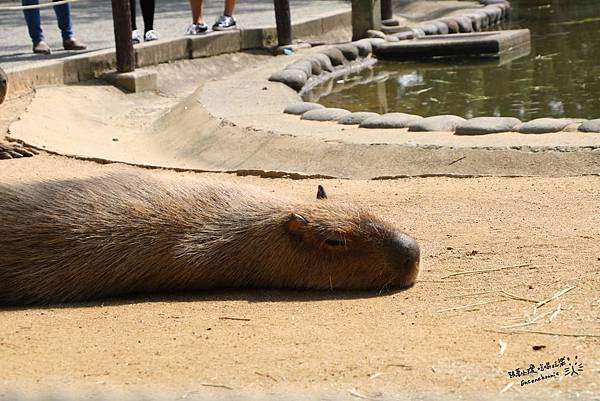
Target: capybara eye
(335, 242)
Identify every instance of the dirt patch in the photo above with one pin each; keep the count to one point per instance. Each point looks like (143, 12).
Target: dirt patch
(376, 345)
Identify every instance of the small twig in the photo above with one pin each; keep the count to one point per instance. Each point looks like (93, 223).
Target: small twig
(375, 375)
(555, 313)
(519, 325)
(471, 305)
(268, 376)
(506, 388)
(485, 270)
(457, 160)
(502, 292)
(234, 318)
(216, 385)
(356, 394)
(555, 296)
(399, 365)
(517, 298)
(548, 333)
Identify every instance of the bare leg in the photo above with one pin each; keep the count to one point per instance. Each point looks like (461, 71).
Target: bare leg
(197, 11)
(229, 7)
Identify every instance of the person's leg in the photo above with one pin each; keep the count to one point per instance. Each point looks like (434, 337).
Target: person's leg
(132, 8)
(198, 26)
(34, 22)
(229, 8)
(197, 16)
(148, 14)
(63, 17)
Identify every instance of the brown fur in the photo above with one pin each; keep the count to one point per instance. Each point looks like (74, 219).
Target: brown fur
(75, 240)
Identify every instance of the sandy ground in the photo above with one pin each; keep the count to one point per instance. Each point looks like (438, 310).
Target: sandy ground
(540, 233)
(350, 344)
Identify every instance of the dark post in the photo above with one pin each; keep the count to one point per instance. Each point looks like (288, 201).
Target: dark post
(284, 22)
(123, 43)
(386, 10)
(366, 14)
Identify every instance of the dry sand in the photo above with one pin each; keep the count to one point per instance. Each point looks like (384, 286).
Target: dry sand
(344, 343)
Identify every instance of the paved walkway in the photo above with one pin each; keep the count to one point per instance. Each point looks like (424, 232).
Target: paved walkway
(92, 20)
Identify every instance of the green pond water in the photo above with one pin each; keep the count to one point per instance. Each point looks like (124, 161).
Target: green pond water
(560, 77)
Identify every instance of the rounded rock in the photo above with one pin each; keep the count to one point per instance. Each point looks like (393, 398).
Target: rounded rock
(295, 79)
(442, 28)
(336, 56)
(476, 22)
(356, 118)
(373, 33)
(590, 126)
(364, 47)
(302, 65)
(316, 65)
(405, 35)
(418, 32)
(390, 22)
(445, 123)
(389, 120)
(302, 107)
(325, 114)
(487, 125)
(376, 42)
(485, 19)
(545, 125)
(464, 24)
(494, 14)
(349, 51)
(452, 24)
(429, 29)
(324, 60)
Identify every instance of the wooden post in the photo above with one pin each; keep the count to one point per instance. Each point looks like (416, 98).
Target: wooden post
(284, 22)
(386, 10)
(366, 14)
(123, 44)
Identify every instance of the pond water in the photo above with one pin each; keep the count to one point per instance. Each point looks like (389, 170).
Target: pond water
(559, 78)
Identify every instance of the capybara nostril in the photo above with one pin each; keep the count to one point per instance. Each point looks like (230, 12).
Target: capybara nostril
(404, 255)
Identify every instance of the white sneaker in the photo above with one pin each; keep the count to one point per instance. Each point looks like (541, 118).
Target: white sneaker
(151, 35)
(224, 23)
(195, 29)
(136, 37)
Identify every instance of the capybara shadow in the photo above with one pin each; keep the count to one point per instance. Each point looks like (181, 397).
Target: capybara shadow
(66, 241)
(250, 295)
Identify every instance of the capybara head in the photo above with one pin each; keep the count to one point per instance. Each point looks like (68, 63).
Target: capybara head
(345, 247)
(323, 244)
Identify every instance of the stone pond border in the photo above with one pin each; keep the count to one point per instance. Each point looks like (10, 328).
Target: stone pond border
(339, 60)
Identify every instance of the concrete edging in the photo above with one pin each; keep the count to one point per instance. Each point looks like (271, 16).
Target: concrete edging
(83, 67)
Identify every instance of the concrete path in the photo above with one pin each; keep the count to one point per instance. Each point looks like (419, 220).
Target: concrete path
(92, 21)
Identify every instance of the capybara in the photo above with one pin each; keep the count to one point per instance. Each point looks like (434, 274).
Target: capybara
(124, 233)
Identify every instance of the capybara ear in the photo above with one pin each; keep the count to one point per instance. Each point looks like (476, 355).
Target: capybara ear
(321, 194)
(295, 224)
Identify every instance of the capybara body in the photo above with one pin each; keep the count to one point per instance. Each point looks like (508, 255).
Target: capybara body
(124, 233)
